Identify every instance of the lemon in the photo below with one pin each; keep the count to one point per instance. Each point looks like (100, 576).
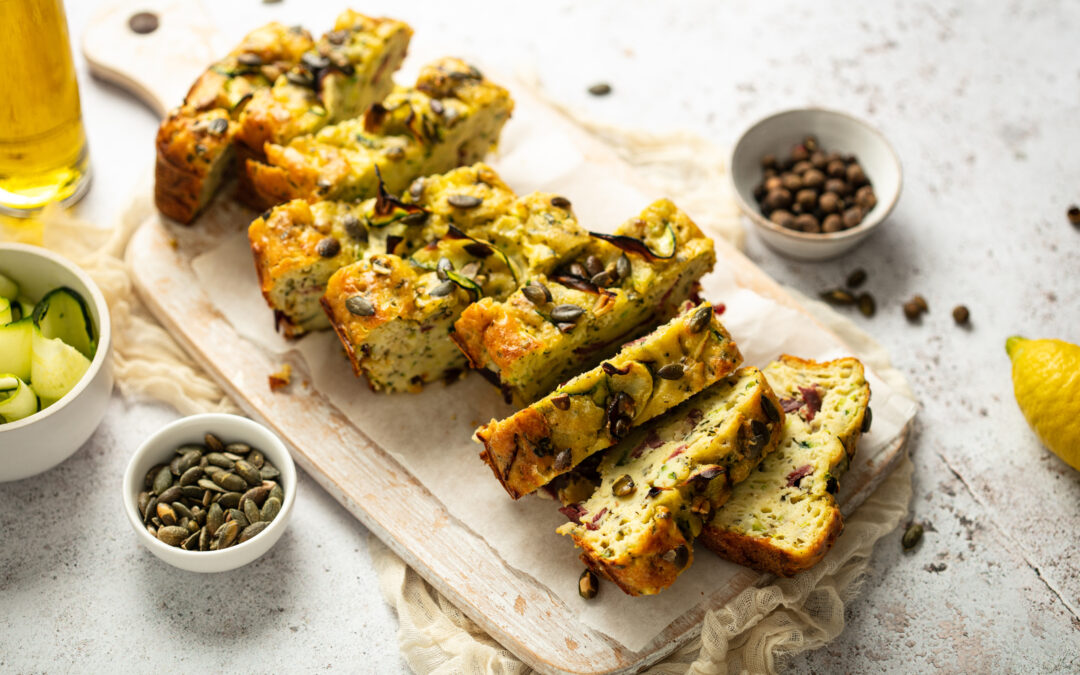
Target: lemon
(1046, 382)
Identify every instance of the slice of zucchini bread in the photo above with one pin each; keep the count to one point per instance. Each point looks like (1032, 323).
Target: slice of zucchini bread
(569, 319)
(661, 482)
(451, 117)
(784, 518)
(394, 311)
(194, 142)
(297, 246)
(596, 409)
(348, 69)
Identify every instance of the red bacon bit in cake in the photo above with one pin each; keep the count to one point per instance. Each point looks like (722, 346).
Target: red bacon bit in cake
(812, 397)
(797, 475)
(790, 405)
(678, 451)
(652, 440)
(573, 512)
(592, 525)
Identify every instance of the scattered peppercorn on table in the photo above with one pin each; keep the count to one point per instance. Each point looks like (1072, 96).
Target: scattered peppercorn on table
(982, 590)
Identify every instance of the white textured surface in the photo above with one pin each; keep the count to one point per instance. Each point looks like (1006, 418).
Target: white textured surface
(980, 102)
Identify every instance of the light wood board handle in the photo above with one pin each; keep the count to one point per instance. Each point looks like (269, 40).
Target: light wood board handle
(157, 67)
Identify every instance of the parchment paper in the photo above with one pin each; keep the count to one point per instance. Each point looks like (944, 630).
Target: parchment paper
(431, 433)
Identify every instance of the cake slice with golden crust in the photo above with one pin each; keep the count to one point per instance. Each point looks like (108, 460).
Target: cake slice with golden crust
(659, 484)
(596, 409)
(620, 286)
(451, 117)
(784, 518)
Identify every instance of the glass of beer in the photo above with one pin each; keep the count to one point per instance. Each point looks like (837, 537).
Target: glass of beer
(43, 155)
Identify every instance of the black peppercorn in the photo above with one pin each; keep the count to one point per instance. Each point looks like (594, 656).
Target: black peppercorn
(799, 153)
(813, 179)
(829, 202)
(807, 223)
(865, 198)
(807, 199)
(791, 181)
(782, 218)
(855, 175)
(769, 162)
(961, 315)
(777, 199)
(1074, 214)
(837, 186)
(852, 217)
(836, 169)
(832, 223)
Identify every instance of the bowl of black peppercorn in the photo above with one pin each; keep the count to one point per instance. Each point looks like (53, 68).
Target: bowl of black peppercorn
(815, 183)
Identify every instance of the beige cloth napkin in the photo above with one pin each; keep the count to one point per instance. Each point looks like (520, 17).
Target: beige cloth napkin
(749, 635)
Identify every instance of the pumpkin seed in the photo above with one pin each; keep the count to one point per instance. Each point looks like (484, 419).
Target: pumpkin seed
(769, 408)
(182, 511)
(219, 459)
(563, 460)
(566, 313)
(256, 458)
(578, 270)
(144, 499)
(252, 530)
(192, 542)
(148, 480)
(536, 293)
(207, 484)
(166, 513)
(856, 278)
(191, 476)
(213, 442)
(561, 401)
(204, 539)
(171, 495)
(700, 319)
(270, 509)
(602, 279)
(252, 512)
(620, 428)
(328, 247)
(230, 481)
(443, 289)
(152, 530)
(257, 494)
(173, 535)
(442, 267)
(867, 420)
(588, 586)
(867, 305)
(151, 510)
(624, 486)
(622, 266)
(600, 89)
(233, 456)
(838, 296)
(249, 473)
(678, 556)
(239, 448)
(190, 524)
(464, 201)
(277, 493)
(230, 500)
(192, 491)
(560, 202)
(212, 470)
(215, 516)
(225, 536)
(238, 516)
(358, 305)
(912, 536)
(162, 480)
(354, 229)
(672, 371)
(593, 265)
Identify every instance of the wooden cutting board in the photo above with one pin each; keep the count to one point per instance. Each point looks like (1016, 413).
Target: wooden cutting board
(520, 613)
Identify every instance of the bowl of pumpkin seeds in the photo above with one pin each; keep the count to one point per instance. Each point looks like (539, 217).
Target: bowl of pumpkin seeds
(211, 492)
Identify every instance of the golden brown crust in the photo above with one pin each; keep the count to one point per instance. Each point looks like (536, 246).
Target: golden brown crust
(193, 151)
(502, 443)
(645, 571)
(759, 552)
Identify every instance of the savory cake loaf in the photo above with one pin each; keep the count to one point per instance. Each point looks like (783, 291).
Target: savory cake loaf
(297, 246)
(348, 69)
(276, 84)
(451, 117)
(394, 312)
(784, 518)
(568, 319)
(660, 482)
(596, 409)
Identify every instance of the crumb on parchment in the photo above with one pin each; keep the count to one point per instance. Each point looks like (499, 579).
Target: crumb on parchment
(281, 378)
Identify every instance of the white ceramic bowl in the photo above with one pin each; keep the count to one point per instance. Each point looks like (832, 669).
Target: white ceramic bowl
(41, 441)
(160, 448)
(836, 132)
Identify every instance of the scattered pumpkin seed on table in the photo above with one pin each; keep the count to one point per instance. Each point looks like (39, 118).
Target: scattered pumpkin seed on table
(210, 496)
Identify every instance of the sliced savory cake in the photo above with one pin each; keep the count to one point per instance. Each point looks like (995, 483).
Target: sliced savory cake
(394, 312)
(596, 409)
(661, 482)
(297, 246)
(276, 84)
(568, 319)
(348, 69)
(784, 518)
(451, 117)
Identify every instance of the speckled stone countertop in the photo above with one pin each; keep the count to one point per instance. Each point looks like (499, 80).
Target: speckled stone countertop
(981, 104)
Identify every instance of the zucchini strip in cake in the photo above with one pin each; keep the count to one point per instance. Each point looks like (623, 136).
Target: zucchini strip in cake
(394, 310)
(452, 117)
(619, 287)
(596, 409)
(660, 483)
(297, 246)
(291, 85)
(784, 518)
